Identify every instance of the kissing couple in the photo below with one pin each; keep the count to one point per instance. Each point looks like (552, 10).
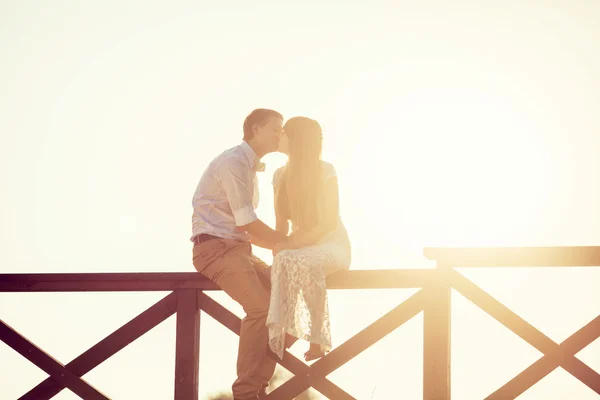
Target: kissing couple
(288, 300)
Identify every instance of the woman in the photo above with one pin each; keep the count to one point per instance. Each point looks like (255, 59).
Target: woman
(306, 194)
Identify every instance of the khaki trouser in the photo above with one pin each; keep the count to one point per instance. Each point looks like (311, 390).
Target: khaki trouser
(243, 276)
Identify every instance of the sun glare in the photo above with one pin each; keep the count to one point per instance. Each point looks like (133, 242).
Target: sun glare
(448, 166)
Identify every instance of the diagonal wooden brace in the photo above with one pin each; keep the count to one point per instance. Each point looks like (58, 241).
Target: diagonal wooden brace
(351, 348)
(526, 331)
(289, 362)
(107, 347)
(48, 364)
(542, 367)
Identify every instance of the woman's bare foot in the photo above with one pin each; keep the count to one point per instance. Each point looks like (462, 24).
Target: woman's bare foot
(313, 355)
(314, 352)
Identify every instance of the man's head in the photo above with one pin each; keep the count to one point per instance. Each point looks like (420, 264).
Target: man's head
(262, 130)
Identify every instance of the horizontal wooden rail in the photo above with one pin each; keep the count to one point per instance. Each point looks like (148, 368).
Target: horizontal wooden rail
(577, 256)
(158, 281)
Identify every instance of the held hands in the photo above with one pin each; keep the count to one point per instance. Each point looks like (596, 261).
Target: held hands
(289, 244)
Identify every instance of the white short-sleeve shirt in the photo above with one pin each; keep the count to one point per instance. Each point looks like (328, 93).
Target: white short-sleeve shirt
(227, 195)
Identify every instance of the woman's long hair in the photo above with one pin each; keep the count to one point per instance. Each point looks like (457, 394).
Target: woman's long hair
(302, 181)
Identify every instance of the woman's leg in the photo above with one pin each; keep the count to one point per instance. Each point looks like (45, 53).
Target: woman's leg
(315, 296)
(285, 288)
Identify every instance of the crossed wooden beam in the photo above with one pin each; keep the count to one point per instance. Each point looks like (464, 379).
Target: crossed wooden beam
(187, 303)
(555, 355)
(69, 375)
(315, 374)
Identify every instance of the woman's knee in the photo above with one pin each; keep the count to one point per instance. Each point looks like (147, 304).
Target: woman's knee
(287, 258)
(287, 255)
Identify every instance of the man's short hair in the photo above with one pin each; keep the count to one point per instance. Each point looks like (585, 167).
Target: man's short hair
(259, 117)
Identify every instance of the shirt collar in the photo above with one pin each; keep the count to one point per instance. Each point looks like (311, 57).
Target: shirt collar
(252, 158)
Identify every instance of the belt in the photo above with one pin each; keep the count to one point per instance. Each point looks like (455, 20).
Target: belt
(203, 237)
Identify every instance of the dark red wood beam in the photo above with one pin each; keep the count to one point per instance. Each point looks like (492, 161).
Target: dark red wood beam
(107, 347)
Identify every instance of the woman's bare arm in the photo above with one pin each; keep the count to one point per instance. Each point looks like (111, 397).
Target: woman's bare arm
(282, 224)
(326, 225)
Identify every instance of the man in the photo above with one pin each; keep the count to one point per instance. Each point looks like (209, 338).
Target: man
(224, 224)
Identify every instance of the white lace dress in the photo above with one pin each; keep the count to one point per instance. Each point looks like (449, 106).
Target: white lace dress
(298, 292)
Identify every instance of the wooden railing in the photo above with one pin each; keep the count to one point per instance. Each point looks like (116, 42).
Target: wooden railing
(187, 298)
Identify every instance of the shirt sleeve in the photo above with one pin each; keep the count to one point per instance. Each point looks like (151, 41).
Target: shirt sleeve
(238, 184)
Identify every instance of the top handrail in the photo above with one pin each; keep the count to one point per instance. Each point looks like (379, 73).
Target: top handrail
(169, 281)
(575, 256)
(560, 256)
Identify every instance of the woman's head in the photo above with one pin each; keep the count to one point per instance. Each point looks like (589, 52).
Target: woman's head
(302, 142)
(302, 139)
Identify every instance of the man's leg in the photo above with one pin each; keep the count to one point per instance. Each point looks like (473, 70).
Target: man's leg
(264, 273)
(232, 268)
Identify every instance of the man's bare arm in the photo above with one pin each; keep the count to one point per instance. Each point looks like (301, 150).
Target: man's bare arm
(255, 240)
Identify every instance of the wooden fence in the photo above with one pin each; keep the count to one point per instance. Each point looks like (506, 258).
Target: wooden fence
(187, 299)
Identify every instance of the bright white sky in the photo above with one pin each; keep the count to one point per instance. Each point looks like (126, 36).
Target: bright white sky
(450, 123)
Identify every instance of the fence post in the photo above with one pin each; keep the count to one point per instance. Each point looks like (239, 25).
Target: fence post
(436, 339)
(187, 347)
